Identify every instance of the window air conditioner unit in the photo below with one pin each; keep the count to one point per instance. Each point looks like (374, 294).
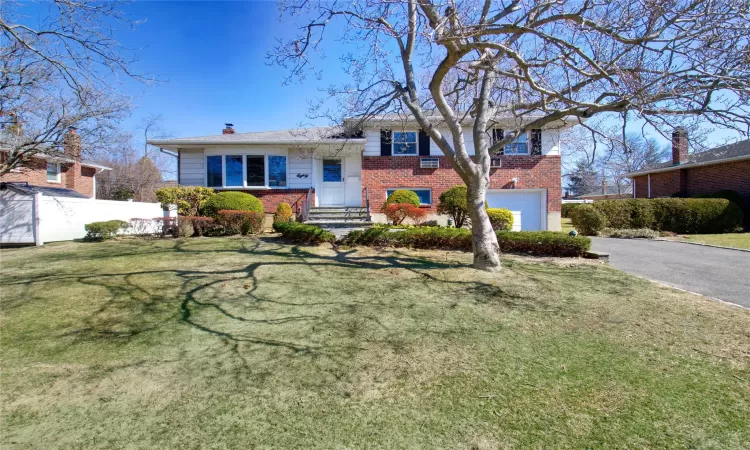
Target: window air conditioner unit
(496, 161)
(429, 163)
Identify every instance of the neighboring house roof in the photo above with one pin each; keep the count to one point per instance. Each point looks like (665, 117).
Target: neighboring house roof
(297, 136)
(60, 157)
(26, 188)
(726, 153)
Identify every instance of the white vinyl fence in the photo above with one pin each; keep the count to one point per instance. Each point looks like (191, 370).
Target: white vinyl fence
(37, 218)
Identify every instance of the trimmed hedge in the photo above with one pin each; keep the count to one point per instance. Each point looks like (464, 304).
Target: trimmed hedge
(678, 215)
(588, 220)
(500, 218)
(454, 203)
(300, 233)
(568, 208)
(539, 243)
(231, 200)
(283, 213)
(402, 196)
(104, 230)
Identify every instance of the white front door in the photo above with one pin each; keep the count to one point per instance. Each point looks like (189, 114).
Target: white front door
(333, 192)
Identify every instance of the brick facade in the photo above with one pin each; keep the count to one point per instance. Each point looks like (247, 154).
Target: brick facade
(698, 180)
(271, 198)
(35, 173)
(380, 173)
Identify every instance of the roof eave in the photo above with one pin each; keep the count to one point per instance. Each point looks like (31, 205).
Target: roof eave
(686, 166)
(177, 144)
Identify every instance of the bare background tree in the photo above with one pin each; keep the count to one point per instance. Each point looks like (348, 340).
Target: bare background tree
(138, 169)
(57, 72)
(531, 64)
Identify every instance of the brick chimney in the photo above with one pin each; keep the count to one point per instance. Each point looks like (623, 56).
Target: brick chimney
(72, 149)
(679, 146)
(604, 185)
(229, 129)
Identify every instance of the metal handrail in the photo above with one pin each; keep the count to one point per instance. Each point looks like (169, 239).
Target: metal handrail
(306, 206)
(367, 204)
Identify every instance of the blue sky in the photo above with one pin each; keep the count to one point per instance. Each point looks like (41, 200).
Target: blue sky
(211, 56)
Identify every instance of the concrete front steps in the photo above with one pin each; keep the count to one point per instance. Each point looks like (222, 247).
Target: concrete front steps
(339, 217)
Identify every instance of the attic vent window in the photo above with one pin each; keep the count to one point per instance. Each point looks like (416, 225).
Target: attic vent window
(429, 163)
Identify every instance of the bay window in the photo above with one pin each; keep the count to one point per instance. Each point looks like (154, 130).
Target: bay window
(256, 170)
(249, 171)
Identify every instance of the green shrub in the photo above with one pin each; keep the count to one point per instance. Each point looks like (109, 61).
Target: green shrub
(283, 213)
(500, 218)
(541, 243)
(567, 208)
(300, 233)
(198, 224)
(104, 230)
(732, 196)
(402, 196)
(588, 220)
(189, 199)
(232, 201)
(240, 222)
(627, 213)
(696, 215)
(678, 215)
(454, 204)
(630, 233)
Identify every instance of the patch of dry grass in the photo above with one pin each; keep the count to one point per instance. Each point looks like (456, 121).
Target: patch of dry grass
(242, 342)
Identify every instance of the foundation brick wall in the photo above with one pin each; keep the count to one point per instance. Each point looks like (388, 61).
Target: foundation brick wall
(380, 173)
(271, 198)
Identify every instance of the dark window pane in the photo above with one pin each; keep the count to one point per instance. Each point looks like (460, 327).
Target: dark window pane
(332, 170)
(256, 171)
(518, 146)
(234, 170)
(213, 171)
(424, 196)
(277, 170)
(405, 143)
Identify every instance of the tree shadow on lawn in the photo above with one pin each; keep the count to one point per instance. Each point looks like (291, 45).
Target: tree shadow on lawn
(308, 295)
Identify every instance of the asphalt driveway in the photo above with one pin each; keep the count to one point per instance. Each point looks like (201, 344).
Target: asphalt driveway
(714, 272)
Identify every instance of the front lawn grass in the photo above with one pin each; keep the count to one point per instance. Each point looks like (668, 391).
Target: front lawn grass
(244, 342)
(733, 240)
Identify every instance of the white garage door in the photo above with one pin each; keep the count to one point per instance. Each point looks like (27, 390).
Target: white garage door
(526, 207)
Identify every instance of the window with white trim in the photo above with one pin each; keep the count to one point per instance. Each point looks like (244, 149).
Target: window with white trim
(425, 195)
(405, 143)
(519, 146)
(53, 172)
(246, 171)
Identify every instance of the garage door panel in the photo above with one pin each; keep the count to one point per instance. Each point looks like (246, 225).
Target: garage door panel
(525, 206)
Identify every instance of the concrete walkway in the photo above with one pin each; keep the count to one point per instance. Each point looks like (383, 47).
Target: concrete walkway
(714, 272)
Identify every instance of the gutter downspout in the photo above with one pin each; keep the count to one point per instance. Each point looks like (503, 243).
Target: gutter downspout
(649, 186)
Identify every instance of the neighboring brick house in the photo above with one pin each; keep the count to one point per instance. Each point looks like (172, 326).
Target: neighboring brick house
(58, 170)
(386, 154)
(722, 168)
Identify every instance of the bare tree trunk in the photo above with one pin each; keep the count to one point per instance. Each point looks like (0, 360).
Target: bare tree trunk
(483, 238)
